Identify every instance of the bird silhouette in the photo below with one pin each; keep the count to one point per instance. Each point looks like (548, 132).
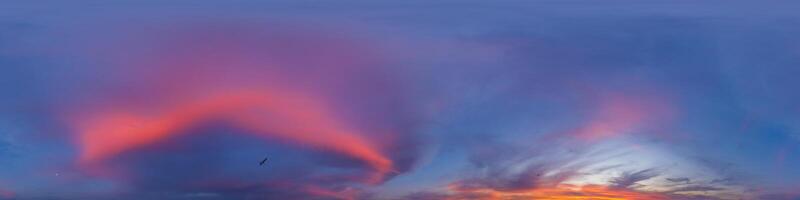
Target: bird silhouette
(263, 161)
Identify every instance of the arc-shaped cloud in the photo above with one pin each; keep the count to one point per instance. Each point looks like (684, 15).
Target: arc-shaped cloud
(270, 113)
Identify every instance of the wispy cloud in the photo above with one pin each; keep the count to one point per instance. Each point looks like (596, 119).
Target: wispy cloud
(631, 179)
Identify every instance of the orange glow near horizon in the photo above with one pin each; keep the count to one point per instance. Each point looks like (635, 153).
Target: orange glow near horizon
(271, 113)
(561, 192)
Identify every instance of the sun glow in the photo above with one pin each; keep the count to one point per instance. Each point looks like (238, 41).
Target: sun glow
(560, 192)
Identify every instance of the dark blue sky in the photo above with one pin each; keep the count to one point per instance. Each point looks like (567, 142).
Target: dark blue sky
(399, 100)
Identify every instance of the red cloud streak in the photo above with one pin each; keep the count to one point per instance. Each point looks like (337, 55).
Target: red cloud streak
(269, 113)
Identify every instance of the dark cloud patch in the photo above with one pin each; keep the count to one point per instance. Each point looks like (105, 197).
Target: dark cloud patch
(631, 179)
(682, 180)
(723, 181)
(531, 177)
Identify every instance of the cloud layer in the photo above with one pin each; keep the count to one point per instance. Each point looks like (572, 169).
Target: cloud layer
(413, 100)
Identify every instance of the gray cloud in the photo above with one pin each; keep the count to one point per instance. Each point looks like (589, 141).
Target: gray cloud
(683, 180)
(630, 179)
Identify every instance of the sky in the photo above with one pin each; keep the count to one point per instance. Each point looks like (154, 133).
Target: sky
(400, 100)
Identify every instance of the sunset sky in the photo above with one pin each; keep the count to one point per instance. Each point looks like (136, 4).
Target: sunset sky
(400, 100)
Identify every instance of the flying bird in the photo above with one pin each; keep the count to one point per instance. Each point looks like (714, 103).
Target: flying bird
(263, 161)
